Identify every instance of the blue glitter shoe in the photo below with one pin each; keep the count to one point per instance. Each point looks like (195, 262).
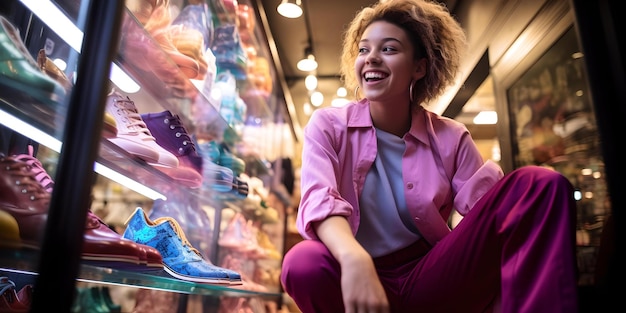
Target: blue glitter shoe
(180, 258)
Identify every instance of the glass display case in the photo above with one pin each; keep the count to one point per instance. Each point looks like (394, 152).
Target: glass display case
(554, 125)
(136, 155)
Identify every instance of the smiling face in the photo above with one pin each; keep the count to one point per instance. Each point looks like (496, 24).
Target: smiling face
(385, 65)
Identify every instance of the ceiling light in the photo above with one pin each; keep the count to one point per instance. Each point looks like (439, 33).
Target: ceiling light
(486, 117)
(310, 82)
(317, 98)
(307, 109)
(342, 92)
(308, 63)
(339, 102)
(290, 8)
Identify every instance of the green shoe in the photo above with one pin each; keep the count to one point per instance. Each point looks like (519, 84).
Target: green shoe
(108, 301)
(19, 71)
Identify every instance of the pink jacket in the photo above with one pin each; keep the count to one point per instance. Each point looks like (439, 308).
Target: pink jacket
(442, 168)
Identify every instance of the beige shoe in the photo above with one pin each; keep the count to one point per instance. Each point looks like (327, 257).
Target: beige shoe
(9, 231)
(52, 70)
(109, 129)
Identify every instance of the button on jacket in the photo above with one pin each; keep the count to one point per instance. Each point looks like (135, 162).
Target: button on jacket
(442, 168)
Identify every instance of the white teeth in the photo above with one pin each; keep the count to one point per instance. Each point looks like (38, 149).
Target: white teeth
(374, 75)
(369, 75)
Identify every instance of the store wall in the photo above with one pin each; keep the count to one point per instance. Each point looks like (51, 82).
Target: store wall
(518, 36)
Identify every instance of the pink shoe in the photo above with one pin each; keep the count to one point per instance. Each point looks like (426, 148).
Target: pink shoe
(9, 299)
(237, 235)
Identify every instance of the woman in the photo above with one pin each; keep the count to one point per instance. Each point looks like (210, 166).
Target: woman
(381, 176)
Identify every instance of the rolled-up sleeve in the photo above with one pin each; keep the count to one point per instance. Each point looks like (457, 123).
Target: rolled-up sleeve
(319, 176)
(476, 186)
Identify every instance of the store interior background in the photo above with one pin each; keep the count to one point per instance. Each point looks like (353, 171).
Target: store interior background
(320, 31)
(320, 28)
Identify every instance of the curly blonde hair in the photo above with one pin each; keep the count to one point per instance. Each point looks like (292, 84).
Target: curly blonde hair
(435, 34)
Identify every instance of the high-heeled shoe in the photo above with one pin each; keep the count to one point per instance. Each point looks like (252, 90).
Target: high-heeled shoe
(19, 71)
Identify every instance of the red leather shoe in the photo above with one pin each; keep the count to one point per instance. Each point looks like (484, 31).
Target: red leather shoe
(154, 260)
(101, 245)
(24, 198)
(25, 295)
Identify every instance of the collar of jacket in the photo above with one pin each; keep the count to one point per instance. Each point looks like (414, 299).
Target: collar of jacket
(359, 116)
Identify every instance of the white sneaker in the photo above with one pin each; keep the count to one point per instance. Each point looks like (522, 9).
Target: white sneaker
(132, 133)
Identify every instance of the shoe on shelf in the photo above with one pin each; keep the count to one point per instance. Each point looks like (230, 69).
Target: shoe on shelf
(238, 236)
(9, 231)
(53, 71)
(190, 42)
(242, 187)
(194, 221)
(154, 300)
(104, 247)
(105, 296)
(200, 18)
(25, 294)
(88, 299)
(171, 134)
(180, 258)
(9, 300)
(132, 133)
(215, 177)
(158, 26)
(109, 128)
(24, 198)
(101, 244)
(145, 55)
(142, 9)
(19, 71)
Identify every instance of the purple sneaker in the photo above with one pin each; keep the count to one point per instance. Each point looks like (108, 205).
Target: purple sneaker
(170, 134)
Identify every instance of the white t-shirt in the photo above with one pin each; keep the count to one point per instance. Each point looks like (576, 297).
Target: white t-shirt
(383, 208)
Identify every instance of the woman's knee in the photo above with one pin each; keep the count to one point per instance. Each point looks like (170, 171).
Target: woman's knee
(541, 176)
(306, 260)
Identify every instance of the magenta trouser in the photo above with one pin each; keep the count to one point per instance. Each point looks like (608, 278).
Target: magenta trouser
(516, 248)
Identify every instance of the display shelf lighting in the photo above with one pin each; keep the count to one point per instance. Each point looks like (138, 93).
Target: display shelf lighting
(55, 145)
(50, 14)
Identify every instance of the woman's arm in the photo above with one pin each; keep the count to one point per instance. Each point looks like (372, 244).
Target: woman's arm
(360, 285)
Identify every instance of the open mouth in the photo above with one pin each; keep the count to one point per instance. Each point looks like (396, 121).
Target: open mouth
(374, 76)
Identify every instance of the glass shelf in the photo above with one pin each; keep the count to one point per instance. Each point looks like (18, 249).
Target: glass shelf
(24, 262)
(156, 84)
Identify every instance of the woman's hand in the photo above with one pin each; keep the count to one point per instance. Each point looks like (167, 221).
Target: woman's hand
(361, 287)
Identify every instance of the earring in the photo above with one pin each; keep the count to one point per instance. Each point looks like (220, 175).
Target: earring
(411, 91)
(356, 93)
